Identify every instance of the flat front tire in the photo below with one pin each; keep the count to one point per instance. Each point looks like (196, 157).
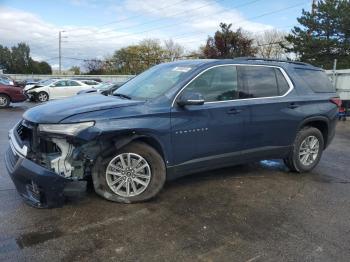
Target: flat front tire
(306, 150)
(134, 173)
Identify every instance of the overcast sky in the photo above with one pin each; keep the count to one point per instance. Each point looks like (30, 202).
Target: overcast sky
(95, 29)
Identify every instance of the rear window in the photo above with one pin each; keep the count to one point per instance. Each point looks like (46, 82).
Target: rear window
(317, 80)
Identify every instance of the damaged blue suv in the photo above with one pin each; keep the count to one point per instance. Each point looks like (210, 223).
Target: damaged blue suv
(174, 119)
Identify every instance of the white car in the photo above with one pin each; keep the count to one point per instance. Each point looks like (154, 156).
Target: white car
(43, 82)
(55, 89)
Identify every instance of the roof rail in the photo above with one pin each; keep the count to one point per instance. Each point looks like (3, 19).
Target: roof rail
(271, 60)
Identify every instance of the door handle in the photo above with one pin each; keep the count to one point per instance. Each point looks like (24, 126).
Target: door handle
(293, 105)
(234, 111)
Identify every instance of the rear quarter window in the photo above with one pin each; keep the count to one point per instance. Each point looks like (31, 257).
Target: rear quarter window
(317, 80)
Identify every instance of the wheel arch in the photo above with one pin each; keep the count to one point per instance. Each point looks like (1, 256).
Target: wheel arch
(5, 94)
(319, 122)
(122, 140)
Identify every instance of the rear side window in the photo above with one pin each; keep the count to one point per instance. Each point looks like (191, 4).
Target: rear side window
(317, 80)
(260, 81)
(72, 83)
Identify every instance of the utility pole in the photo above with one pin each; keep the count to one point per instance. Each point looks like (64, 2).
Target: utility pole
(334, 72)
(60, 51)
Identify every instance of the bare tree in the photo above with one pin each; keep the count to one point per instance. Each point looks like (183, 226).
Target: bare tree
(173, 50)
(94, 66)
(269, 44)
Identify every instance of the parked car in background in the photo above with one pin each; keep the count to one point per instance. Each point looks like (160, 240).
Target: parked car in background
(10, 94)
(80, 78)
(43, 82)
(174, 119)
(55, 89)
(6, 80)
(90, 82)
(104, 89)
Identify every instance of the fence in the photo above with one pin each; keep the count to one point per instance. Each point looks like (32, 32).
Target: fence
(116, 78)
(340, 78)
(341, 81)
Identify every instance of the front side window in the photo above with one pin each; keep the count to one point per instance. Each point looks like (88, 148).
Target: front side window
(60, 83)
(260, 81)
(217, 84)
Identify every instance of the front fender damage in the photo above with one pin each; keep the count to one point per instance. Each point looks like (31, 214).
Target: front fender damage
(72, 159)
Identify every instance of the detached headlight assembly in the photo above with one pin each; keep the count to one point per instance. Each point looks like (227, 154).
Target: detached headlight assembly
(65, 129)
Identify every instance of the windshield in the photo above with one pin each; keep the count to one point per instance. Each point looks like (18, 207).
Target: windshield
(46, 82)
(153, 82)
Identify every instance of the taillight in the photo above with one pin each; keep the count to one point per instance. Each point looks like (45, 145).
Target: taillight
(336, 100)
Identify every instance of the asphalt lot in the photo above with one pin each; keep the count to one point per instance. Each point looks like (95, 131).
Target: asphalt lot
(256, 212)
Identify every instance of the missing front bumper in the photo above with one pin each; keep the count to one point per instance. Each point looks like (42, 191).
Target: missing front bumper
(38, 186)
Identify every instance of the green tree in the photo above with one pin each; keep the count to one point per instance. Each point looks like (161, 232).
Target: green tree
(228, 44)
(135, 59)
(44, 68)
(5, 58)
(21, 61)
(17, 60)
(75, 69)
(323, 34)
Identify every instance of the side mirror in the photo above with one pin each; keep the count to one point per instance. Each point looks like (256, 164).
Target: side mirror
(191, 98)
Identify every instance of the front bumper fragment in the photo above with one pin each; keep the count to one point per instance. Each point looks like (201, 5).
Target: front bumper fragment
(37, 185)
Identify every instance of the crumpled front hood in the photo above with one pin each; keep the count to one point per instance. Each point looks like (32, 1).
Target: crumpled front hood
(30, 87)
(55, 111)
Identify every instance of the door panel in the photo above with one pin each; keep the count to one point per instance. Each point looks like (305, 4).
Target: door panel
(73, 88)
(201, 133)
(207, 130)
(273, 121)
(58, 89)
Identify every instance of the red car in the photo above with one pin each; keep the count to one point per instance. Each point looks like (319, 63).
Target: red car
(10, 94)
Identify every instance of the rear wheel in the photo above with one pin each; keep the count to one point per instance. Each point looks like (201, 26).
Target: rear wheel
(132, 174)
(4, 101)
(306, 151)
(42, 96)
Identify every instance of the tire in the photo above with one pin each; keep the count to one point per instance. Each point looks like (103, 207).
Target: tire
(4, 101)
(102, 180)
(42, 97)
(298, 161)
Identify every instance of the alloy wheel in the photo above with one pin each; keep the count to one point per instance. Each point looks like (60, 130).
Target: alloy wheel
(42, 97)
(309, 150)
(3, 101)
(128, 174)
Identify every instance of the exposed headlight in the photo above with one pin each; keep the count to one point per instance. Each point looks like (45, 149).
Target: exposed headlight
(65, 129)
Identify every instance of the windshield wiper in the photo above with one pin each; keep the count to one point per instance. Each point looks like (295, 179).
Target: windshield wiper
(122, 95)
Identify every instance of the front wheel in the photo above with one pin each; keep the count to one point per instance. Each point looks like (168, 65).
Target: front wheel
(306, 151)
(134, 173)
(42, 96)
(4, 101)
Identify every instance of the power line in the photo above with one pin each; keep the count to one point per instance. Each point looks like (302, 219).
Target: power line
(251, 18)
(131, 17)
(122, 20)
(173, 15)
(151, 21)
(172, 25)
